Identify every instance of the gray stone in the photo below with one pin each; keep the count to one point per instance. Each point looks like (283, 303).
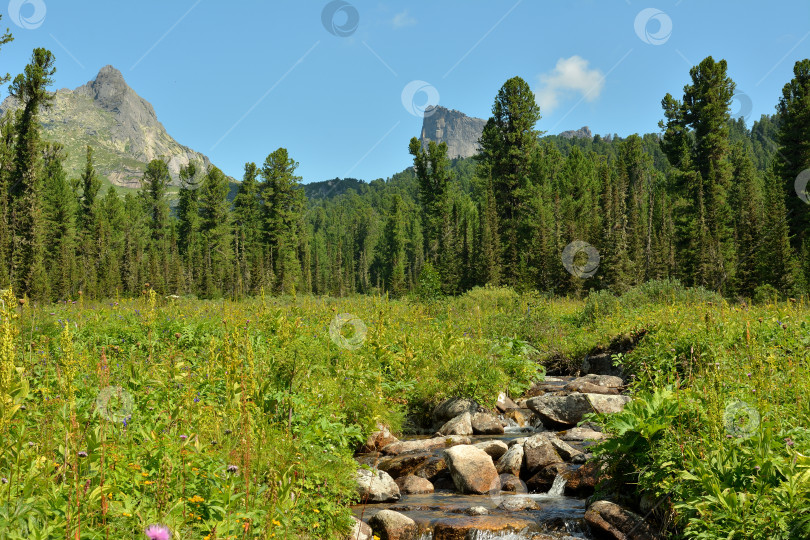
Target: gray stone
(376, 486)
(459, 131)
(472, 469)
(460, 425)
(450, 408)
(390, 525)
(486, 424)
(518, 504)
(538, 453)
(611, 520)
(360, 531)
(511, 462)
(417, 445)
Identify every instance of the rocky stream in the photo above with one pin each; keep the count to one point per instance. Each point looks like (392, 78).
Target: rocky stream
(520, 471)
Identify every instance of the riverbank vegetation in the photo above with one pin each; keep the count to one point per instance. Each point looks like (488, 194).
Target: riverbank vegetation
(239, 419)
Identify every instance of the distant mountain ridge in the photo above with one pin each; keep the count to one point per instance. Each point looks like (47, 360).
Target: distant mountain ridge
(462, 132)
(121, 126)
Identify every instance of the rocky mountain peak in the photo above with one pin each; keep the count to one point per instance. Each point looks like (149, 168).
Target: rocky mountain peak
(582, 133)
(459, 131)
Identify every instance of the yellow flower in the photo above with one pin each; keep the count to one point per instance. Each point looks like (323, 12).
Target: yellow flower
(316, 525)
(317, 511)
(277, 523)
(148, 483)
(128, 515)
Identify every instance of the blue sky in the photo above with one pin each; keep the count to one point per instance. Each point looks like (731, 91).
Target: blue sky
(237, 80)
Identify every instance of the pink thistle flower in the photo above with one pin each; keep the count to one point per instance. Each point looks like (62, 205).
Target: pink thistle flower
(158, 532)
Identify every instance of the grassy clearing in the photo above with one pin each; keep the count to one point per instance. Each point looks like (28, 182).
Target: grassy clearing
(238, 420)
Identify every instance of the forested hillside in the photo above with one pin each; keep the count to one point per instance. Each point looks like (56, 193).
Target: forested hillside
(706, 200)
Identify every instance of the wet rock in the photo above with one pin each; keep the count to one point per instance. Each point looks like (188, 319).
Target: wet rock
(378, 439)
(495, 449)
(511, 483)
(519, 440)
(360, 531)
(511, 462)
(568, 410)
(539, 453)
(476, 511)
(544, 479)
(371, 459)
(376, 486)
(582, 480)
(463, 527)
(518, 504)
(417, 445)
(413, 484)
(485, 424)
(450, 408)
(595, 384)
(505, 403)
(427, 465)
(520, 416)
(460, 425)
(611, 520)
(472, 469)
(582, 434)
(390, 525)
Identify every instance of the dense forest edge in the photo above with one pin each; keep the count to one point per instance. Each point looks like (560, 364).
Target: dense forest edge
(170, 362)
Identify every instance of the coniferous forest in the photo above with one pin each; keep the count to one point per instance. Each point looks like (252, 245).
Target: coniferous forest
(706, 200)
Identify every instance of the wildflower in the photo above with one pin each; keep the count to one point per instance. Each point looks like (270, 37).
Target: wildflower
(749, 375)
(789, 441)
(183, 437)
(4, 480)
(158, 532)
(757, 468)
(228, 432)
(233, 469)
(82, 454)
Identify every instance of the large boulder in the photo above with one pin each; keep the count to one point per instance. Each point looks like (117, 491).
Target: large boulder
(421, 445)
(538, 453)
(486, 424)
(460, 425)
(601, 363)
(595, 384)
(582, 481)
(472, 469)
(390, 525)
(612, 521)
(427, 465)
(450, 408)
(565, 450)
(567, 411)
(495, 449)
(376, 486)
(511, 462)
(360, 530)
(414, 484)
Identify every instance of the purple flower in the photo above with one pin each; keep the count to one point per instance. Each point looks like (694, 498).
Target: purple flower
(789, 441)
(183, 437)
(158, 532)
(4, 480)
(757, 468)
(233, 469)
(749, 375)
(82, 454)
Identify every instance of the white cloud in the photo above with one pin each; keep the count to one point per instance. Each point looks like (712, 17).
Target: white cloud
(570, 75)
(403, 19)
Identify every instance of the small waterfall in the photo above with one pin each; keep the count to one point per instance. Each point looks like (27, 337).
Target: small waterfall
(557, 487)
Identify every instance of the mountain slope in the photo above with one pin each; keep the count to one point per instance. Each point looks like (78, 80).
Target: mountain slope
(121, 126)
